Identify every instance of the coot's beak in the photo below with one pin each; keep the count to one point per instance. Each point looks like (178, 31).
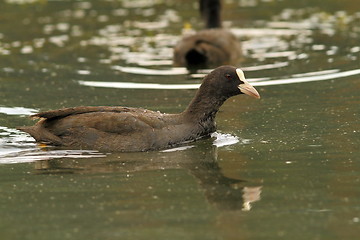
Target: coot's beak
(245, 87)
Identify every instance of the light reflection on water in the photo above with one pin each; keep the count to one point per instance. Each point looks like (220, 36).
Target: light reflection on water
(261, 44)
(297, 78)
(17, 111)
(18, 147)
(30, 155)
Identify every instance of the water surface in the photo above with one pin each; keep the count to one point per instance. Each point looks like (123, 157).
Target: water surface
(286, 166)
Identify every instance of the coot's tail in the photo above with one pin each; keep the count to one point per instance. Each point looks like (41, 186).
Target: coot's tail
(41, 134)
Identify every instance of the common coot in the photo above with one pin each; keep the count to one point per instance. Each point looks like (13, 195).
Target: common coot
(136, 129)
(211, 47)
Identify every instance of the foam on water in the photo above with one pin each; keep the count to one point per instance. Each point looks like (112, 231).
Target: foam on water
(222, 139)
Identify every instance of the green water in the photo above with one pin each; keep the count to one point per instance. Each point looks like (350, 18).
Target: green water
(293, 171)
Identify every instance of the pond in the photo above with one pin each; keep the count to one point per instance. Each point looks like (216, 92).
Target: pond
(285, 166)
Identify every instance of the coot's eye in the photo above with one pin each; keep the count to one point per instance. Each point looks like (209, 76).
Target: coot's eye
(228, 76)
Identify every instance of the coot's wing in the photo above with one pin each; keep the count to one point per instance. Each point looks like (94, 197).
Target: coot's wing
(79, 121)
(64, 112)
(120, 120)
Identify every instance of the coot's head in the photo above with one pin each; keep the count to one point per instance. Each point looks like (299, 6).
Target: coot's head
(229, 81)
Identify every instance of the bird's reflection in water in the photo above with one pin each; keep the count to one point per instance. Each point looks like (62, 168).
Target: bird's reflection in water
(226, 193)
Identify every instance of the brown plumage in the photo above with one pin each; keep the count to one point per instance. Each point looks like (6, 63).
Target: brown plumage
(211, 47)
(136, 129)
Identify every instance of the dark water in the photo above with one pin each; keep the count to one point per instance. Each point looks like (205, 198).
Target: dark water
(283, 167)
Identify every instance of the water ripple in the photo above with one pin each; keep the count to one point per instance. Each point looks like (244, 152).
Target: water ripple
(36, 155)
(17, 110)
(146, 71)
(306, 77)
